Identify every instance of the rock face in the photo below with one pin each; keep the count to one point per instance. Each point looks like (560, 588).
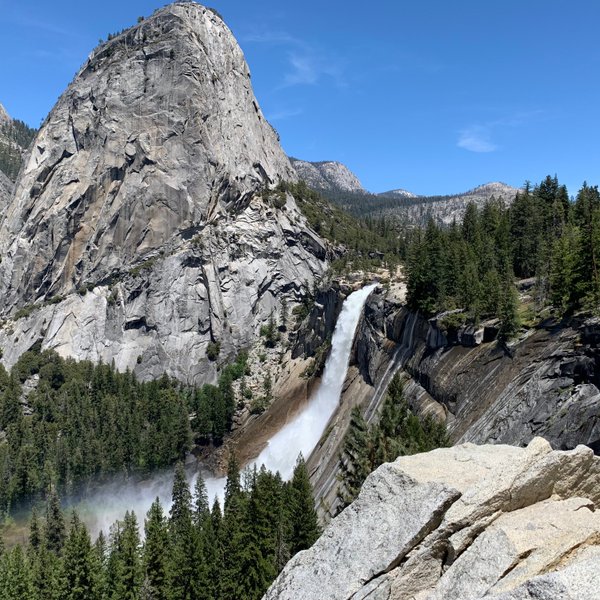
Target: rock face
(463, 523)
(6, 188)
(327, 176)
(443, 209)
(4, 117)
(138, 228)
(545, 383)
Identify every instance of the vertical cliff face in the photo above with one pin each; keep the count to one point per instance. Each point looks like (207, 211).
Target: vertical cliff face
(139, 228)
(544, 383)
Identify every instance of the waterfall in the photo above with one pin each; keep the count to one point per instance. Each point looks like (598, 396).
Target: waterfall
(304, 432)
(301, 434)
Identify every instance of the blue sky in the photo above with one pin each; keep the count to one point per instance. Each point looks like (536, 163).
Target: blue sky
(432, 96)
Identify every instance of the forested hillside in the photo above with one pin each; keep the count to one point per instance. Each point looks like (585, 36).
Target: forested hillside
(472, 265)
(15, 137)
(361, 243)
(65, 423)
(193, 552)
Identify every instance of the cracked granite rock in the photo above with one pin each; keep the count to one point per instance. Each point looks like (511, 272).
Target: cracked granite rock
(139, 229)
(331, 176)
(462, 523)
(6, 188)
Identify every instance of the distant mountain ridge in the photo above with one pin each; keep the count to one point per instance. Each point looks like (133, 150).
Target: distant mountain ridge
(445, 209)
(327, 176)
(340, 185)
(400, 192)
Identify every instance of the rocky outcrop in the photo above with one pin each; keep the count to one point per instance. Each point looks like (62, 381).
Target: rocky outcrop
(14, 139)
(6, 188)
(401, 193)
(140, 229)
(545, 383)
(327, 176)
(469, 522)
(4, 116)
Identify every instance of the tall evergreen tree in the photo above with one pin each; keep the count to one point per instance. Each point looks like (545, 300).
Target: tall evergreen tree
(55, 532)
(100, 562)
(303, 515)
(79, 579)
(156, 552)
(354, 461)
(509, 311)
(15, 578)
(124, 569)
(232, 534)
(181, 537)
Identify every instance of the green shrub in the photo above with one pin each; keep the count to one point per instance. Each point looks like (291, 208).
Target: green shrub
(213, 350)
(25, 311)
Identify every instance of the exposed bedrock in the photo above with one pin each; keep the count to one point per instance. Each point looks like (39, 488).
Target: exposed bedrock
(468, 522)
(544, 384)
(139, 230)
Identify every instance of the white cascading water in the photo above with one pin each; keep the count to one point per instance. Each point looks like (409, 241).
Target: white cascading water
(300, 435)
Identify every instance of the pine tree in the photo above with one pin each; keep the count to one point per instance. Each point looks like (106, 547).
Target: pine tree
(156, 552)
(213, 552)
(303, 516)
(55, 532)
(203, 539)
(201, 507)
(564, 269)
(232, 485)
(181, 537)
(15, 577)
(130, 572)
(35, 531)
(79, 579)
(587, 214)
(509, 315)
(264, 512)
(232, 535)
(354, 462)
(100, 562)
(525, 228)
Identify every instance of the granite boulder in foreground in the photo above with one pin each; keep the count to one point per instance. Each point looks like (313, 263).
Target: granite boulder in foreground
(468, 522)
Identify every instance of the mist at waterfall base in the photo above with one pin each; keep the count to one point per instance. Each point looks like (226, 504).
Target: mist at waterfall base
(109, 502)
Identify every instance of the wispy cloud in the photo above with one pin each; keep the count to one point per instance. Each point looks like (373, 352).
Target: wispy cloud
(307, 64)
(478, 136)
(283, 114)
(303, 71)
(476, 139)
(45, 26)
